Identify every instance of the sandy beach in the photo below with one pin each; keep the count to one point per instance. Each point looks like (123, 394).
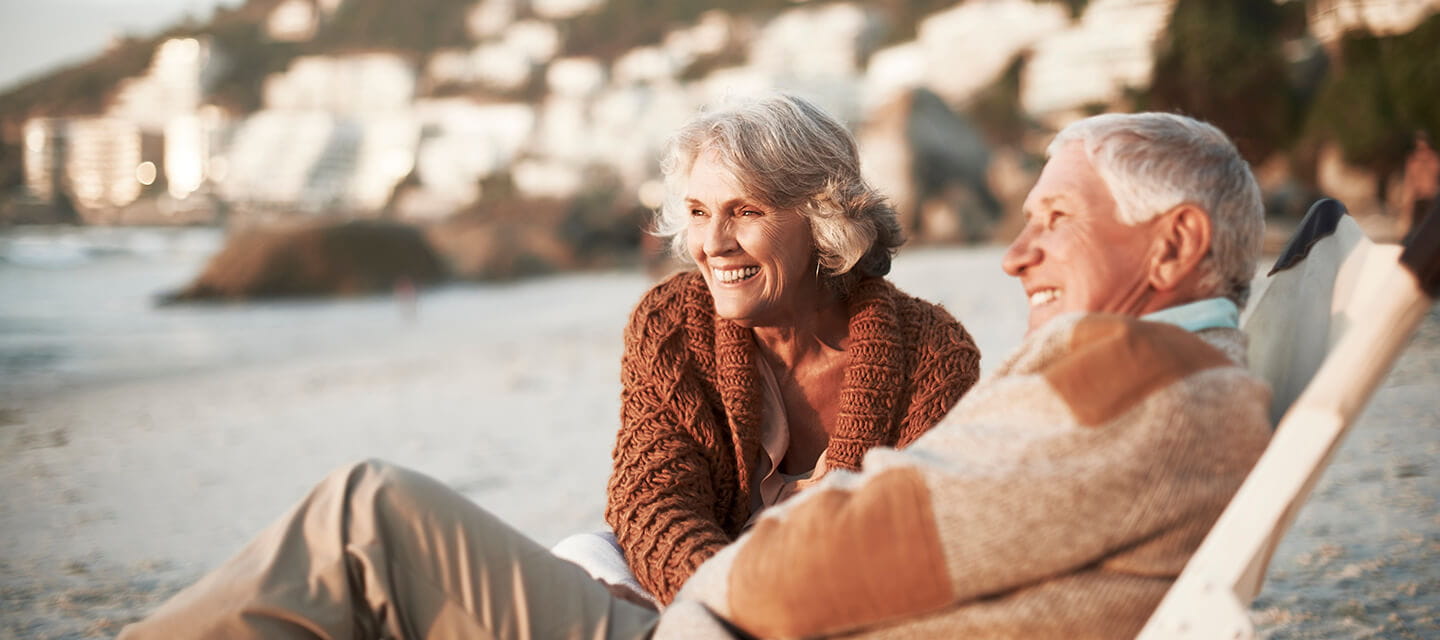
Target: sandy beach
(210, 422)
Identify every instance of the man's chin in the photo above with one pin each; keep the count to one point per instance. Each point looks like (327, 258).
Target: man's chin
(1038, 320)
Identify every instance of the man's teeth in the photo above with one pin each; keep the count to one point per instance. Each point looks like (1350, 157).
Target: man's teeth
(736, 275)
(1043, 296)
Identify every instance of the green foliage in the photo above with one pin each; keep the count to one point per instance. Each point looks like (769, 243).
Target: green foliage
(250, 58)
(620, 25)
(81, 88)
(904, 16)
(1379, 93)
(1221, 61)
(413, 25)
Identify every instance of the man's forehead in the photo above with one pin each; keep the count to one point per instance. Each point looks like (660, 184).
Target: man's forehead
(1048, 194)
(1068, 177)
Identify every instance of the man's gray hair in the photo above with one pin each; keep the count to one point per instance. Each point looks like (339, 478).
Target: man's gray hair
(1153, 162)
(790, 155)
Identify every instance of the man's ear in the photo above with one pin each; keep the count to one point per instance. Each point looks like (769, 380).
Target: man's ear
(1183, 238)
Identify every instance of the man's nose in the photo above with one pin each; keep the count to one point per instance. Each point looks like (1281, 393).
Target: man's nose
(1022, 253)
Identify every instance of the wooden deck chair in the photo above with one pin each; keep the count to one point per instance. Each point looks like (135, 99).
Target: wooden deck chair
(1335, 316)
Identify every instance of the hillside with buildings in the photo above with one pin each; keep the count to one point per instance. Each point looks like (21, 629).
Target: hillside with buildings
(540, 121)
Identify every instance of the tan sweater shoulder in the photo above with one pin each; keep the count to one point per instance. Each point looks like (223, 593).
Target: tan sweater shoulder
(1113, 362)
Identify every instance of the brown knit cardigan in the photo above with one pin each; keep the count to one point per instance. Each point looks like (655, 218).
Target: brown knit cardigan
(691, 413)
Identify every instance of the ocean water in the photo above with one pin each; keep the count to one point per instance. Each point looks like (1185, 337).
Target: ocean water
(78, 307)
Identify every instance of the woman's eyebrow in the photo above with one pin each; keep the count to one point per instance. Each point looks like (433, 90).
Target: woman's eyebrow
(728, 204)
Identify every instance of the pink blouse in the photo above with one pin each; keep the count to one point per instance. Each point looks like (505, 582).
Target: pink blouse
(769, 486)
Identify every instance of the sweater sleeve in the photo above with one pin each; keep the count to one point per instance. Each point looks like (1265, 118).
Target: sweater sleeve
(663, 502)
(946, 365)
(1032, 483)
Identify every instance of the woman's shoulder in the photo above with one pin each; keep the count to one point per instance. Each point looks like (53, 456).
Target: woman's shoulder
(937, 333)
(677, 301)
(910, 310)
(681, 285)
(684, 291)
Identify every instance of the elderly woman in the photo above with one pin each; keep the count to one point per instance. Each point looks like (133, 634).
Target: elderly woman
(782, 355)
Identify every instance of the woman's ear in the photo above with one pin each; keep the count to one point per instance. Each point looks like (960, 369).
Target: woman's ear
(1183, 236)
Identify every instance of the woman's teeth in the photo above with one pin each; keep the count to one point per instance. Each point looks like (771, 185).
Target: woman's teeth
(1043, 296)
(736, 275)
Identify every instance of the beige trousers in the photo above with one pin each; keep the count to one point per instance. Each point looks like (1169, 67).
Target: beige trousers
(377, 551)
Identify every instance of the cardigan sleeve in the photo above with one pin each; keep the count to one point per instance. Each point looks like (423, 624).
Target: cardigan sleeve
(664, 497)
(946, 364)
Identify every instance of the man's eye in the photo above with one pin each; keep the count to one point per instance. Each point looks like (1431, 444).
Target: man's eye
(696, 213)
(1055, 218)
(751, 212)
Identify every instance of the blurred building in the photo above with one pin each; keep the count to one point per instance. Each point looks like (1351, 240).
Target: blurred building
(562, 9)
(298, 20)
(490, 17)
(175, 84)
(1093, 63)
(462, 142)
(293, 21)
(105, 165)
(44, 157)
(156, 131)
(1331, 19)
(980, 37)
(337, 134)
(192, 148)
(357, 83)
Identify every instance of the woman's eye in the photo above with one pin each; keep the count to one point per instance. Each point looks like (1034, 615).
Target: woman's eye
(695, 213)
(751, 213)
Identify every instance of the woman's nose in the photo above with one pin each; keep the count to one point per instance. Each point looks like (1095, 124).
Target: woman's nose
(720, 237)
(1022, 253)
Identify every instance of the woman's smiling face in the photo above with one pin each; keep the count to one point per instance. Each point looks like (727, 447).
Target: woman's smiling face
(758, 261)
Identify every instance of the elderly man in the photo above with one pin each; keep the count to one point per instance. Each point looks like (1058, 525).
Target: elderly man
(1060, 498)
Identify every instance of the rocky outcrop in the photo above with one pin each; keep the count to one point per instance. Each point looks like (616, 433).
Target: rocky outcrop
(328, 259)
(933, 165)
(517, 235)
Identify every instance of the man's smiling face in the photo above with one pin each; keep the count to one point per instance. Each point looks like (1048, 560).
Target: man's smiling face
(1074, 253)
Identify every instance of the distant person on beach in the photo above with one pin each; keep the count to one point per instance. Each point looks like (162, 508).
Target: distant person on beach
(783, 355)
(1420, 185)
(1059, 499)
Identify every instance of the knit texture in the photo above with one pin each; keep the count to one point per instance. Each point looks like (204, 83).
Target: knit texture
(1060, 499)
(690, 420)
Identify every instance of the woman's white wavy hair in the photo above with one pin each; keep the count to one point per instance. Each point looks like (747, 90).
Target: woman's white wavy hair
(788, 154)
(1153, 162)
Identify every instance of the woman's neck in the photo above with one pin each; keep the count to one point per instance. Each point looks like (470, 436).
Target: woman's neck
(816, 330)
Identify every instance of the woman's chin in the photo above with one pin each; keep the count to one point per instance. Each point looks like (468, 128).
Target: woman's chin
(741, 316)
